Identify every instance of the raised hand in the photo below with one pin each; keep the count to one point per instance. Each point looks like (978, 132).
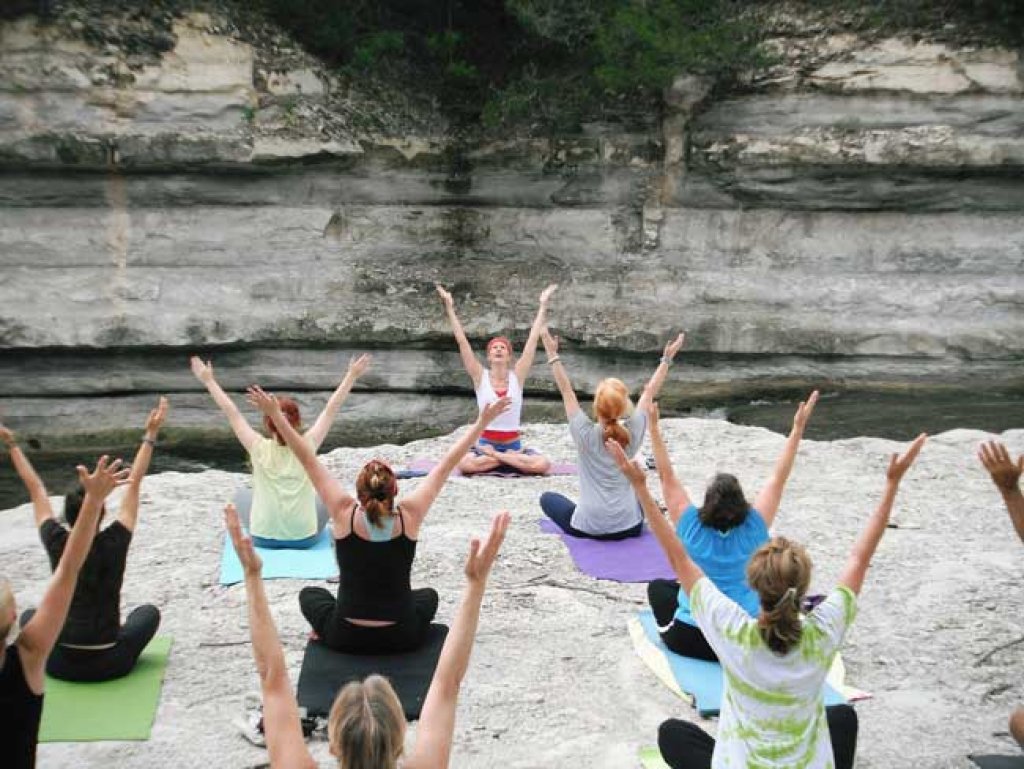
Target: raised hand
(107, 475)
(263, 400)
(804, 411)
(7, 436)
(481, 557)
(202, 371)
(674, 346)
(630, 469)
(899, 464)
(545, 295)
(491, 411)
(358, 366)
(1000, 465)
(446, 297)
(251, 563)
(550, 343)
(156, 417)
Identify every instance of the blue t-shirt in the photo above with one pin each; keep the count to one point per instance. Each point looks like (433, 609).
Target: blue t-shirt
(723, 557)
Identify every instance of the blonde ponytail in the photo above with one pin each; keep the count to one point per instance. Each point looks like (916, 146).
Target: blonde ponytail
(780, 572)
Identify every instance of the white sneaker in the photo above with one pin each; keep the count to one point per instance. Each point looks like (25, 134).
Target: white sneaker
(250, 723)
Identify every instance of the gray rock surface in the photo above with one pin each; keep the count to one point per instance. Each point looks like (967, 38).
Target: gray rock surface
(554, 681)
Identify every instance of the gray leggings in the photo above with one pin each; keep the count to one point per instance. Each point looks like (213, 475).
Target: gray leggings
(243, 503)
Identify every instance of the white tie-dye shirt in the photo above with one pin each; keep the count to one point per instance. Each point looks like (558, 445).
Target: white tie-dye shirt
(773, 707)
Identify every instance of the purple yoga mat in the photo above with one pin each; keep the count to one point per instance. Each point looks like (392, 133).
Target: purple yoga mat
(637, 559)
(425, 465)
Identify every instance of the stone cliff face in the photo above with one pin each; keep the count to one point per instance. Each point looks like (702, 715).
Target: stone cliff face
(855, 216)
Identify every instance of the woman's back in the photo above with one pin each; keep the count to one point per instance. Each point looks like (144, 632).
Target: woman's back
(773, 712)
(374, 568)
(283, 499)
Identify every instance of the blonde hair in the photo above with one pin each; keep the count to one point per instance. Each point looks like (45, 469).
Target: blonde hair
(611, 403)
(366, 726)
(780, 572)
(6, 607)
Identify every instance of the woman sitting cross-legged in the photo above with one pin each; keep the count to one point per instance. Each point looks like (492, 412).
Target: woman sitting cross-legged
(608, 508)
(375, 536)
(366, 726)
(94, 645)
(22, 663)
(720, 536)
(775, 664)
(282, 510)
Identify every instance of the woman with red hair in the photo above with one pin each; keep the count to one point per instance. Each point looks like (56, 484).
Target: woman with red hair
(500, 447)
(281, 510)
(608, 507)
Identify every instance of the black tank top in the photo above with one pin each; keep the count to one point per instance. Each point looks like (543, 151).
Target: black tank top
(20, 711)
(374, 576)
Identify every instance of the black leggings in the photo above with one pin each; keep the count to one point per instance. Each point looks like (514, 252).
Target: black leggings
(685, 745)
(688, 640)
(320, 609)
(559, 509)
(92, 665)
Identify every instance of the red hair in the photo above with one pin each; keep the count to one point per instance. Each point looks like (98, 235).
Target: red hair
(376, 488)
(611, 403)
(290, 409)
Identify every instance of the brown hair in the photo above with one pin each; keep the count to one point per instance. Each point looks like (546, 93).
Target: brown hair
(290, 409)
(780, 572)
(376, 488)
(366, 726)
(611, 403)
(724, 506)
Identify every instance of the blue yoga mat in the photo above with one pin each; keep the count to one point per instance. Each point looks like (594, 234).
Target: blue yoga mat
(316, 562)
(701, 679)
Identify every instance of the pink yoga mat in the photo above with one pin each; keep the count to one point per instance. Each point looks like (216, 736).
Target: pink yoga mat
(637, 559)
(424, 465)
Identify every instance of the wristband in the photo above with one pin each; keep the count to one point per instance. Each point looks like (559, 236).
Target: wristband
(667, 361)
(150, 441)
(552, 361)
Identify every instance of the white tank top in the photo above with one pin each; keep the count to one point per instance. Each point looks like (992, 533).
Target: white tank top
(485, 395)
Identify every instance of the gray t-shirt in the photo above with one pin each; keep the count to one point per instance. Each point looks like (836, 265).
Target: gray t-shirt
(607, 501)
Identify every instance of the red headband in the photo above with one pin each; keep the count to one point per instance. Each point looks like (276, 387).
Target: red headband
(501, 340)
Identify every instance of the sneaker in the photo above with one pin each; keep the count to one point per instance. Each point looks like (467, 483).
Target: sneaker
(250, 723)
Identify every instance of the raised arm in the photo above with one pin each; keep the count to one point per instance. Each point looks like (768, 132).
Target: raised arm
(558, 372)
(33, 483)
(418, 503)
(327, 486)
(1006, 476)
(687, 572)
(770, 496)
(653, 386)
(37, 638)
(539, 323)
(356, 368)
(281, 725)
(676, 497)
(864, 548)
(437, 721)
(129, 512)
(472, 365)
(243, 431)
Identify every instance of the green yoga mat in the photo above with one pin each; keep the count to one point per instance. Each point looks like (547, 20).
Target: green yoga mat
(650, 758)
(122, 709)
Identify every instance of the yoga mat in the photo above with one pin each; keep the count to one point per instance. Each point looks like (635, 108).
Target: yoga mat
(122, 709)
(420, 467)
(650, 758)
(999, 762)
(636, 559)
(696, 681)
(325, 671)
(317, 562)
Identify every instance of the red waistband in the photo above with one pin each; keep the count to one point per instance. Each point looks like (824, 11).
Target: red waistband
(500, 436)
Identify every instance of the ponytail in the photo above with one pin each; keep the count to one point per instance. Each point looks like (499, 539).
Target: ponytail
(376, 488)
(780, 572)
(611, 403)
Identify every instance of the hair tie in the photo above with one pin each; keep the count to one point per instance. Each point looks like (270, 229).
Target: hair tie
(789, 595)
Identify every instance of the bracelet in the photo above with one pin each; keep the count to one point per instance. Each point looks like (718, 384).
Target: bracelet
(150, 441)
(666, 361)
(552, 361)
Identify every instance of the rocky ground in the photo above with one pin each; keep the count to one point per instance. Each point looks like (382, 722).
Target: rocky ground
(554, 681)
